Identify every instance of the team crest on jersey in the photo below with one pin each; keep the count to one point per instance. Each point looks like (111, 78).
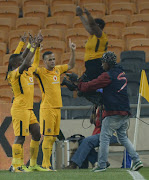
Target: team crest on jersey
(55, 78)
(31, 79)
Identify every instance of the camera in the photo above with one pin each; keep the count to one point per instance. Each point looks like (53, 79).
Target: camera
(95, 97)
(70, 82)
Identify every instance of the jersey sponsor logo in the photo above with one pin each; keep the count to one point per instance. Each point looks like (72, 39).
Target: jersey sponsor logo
(31, 81)
(55, 78)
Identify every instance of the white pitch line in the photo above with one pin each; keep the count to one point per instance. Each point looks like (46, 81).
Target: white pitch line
(136, 175)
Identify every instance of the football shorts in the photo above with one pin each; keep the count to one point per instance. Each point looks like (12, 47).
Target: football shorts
(50, 121)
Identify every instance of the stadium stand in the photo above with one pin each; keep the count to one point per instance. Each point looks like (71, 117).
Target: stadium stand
(113, 32)
(3, 50)
(141, 44)
(6, 59)
(133, 32)
(120, 21)
(10, 12)
(34, 2)
(6, 24)
(3, 37)
(36, 11)
(133, 56)
(117, 46)
(143, 8)
(29, 23)
(14, 35)
(79, 65)
(96, 9)
(57, 2)
(6, 95)
(133, 81)
(126, 8)
(57, 47)
(58, 22)
(82, 2)
(140, 20)
(9, 3)
(76, 35)
(53, 34)
(64, 10)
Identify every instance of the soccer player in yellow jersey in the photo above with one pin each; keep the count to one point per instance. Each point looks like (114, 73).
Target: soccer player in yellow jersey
(20, 77)
(50, 112)
(96, 45)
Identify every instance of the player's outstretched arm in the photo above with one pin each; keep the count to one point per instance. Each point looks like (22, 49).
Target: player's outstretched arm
(79, 12)
(21, 44)
(71, 62)
(94, 28)
(37, 52)
(27, 60)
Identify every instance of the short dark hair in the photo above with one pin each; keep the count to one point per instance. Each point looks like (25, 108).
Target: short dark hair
(101, 23)
(46, 53)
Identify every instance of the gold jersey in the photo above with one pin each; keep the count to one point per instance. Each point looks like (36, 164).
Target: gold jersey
(23, 84)
(95, 47)
(23, 88)
(49, 82)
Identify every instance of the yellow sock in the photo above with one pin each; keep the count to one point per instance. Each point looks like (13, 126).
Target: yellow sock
(47, 146)
(34, 148)
(22, 157)
(17, 154)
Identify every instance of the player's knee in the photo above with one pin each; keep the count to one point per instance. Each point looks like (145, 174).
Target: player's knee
(35, 132)
(19, 140)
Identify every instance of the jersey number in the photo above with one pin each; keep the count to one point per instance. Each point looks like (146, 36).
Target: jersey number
(119, 77)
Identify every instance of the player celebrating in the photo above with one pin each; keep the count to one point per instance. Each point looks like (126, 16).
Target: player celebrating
(50, 112)
(20, 77)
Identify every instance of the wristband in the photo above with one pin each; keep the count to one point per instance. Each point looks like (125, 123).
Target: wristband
(28, 45)
(32, 49)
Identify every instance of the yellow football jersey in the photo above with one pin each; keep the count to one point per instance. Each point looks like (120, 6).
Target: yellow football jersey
(49, 82)
(23, 88)
(23, 85)
(95, 47)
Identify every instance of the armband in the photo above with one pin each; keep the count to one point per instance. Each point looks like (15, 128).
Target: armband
(28, 45)
(32, 49)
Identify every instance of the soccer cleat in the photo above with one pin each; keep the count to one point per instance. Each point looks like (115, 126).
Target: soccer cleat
(37, 168)
(136, 166)
(98, 169)
(22, 168)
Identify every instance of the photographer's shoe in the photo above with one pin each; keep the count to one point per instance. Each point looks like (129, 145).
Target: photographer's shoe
(72, 165)
(136, 166)
(98, 169)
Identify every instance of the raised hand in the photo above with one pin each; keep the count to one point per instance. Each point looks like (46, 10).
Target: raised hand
(79, 11)
(86, 11)
(24, 37)
(72, 45)
(39, 38)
